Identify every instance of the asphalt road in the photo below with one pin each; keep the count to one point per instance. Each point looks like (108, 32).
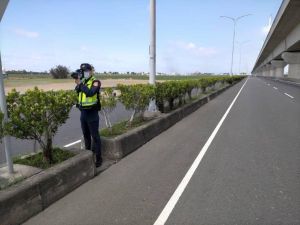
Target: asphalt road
(284, 88)
(67, 133)
(250, 173)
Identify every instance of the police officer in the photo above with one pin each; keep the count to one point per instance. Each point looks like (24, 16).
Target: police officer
(88, 89)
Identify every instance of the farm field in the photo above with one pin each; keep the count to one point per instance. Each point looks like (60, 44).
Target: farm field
(24, 82)
(62, 84)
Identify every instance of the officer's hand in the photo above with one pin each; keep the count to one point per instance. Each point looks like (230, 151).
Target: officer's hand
(77, 81)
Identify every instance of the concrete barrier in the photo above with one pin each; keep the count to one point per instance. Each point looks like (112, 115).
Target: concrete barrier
(118, 147)
(22, 201)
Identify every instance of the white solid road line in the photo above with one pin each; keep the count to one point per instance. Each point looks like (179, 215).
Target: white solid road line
(288, 95)
(275, 88)
(74, 143)
(164, 215)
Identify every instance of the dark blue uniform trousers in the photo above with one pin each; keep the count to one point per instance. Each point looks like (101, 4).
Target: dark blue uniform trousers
(90, 129)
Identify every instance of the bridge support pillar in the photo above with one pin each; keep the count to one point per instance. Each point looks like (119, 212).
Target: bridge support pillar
(293, 59)
(272, 71)
(267, 70)
(278, 68)
(260, 72)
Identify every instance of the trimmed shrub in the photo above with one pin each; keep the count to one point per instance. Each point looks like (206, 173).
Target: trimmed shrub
(108, 104)
(37, 115)
(136, 97)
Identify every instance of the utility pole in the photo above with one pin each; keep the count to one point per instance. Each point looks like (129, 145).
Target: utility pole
(6, 139)
(234, 20)
(240, 48)
(152, 51)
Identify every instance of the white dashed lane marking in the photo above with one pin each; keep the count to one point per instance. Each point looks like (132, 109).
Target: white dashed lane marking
(74, 143)
(289, 95)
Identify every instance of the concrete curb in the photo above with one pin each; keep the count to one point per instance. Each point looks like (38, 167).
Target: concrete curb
(118, 147)
(31, 196)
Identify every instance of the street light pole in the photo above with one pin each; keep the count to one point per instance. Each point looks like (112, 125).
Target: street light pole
(6, 139)
(240, 49)
(234, 20)
(152, 51)
(232, 54)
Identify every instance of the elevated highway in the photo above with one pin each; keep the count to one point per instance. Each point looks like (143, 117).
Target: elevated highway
(282, 45)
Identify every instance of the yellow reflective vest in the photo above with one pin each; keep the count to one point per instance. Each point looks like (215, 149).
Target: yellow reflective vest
(83, 100)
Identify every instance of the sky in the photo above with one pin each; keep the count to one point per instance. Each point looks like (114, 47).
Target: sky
(114, 35)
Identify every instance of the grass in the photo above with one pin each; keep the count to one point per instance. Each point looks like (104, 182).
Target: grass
(121, 128)
(38, 161)
(146, 77)
(47, 77)
(24, 80)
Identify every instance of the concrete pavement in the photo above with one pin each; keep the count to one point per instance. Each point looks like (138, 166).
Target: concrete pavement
(284, 88)
(249, 175)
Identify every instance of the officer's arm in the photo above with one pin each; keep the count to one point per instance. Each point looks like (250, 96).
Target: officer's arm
(89, 92)
(77, 88)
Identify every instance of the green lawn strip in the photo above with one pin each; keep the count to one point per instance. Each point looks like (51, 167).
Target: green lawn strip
(121, 128)
(37, 160)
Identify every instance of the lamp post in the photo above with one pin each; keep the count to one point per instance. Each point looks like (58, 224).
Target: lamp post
(234, 20)
(240, 49)
(6, 139)
(152, 51)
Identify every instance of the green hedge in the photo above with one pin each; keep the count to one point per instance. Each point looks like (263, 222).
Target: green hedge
(137, 97)
(171, 90)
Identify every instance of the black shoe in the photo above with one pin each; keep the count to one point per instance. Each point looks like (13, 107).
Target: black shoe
(98, 163)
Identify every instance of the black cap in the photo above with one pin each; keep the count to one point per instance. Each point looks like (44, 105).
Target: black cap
(86, 67)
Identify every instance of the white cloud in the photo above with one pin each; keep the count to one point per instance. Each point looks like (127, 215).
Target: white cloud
(29, 61)
(192, 48)
(25, 33)
(84, 48)
(187, 56)
(265, 30)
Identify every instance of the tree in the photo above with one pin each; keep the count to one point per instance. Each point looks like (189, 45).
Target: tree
(59, 72)
(173, 90)
(37, 115)
(136, 97)
(108, 104)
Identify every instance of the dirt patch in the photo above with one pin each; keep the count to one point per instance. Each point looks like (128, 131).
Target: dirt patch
(70, 85)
